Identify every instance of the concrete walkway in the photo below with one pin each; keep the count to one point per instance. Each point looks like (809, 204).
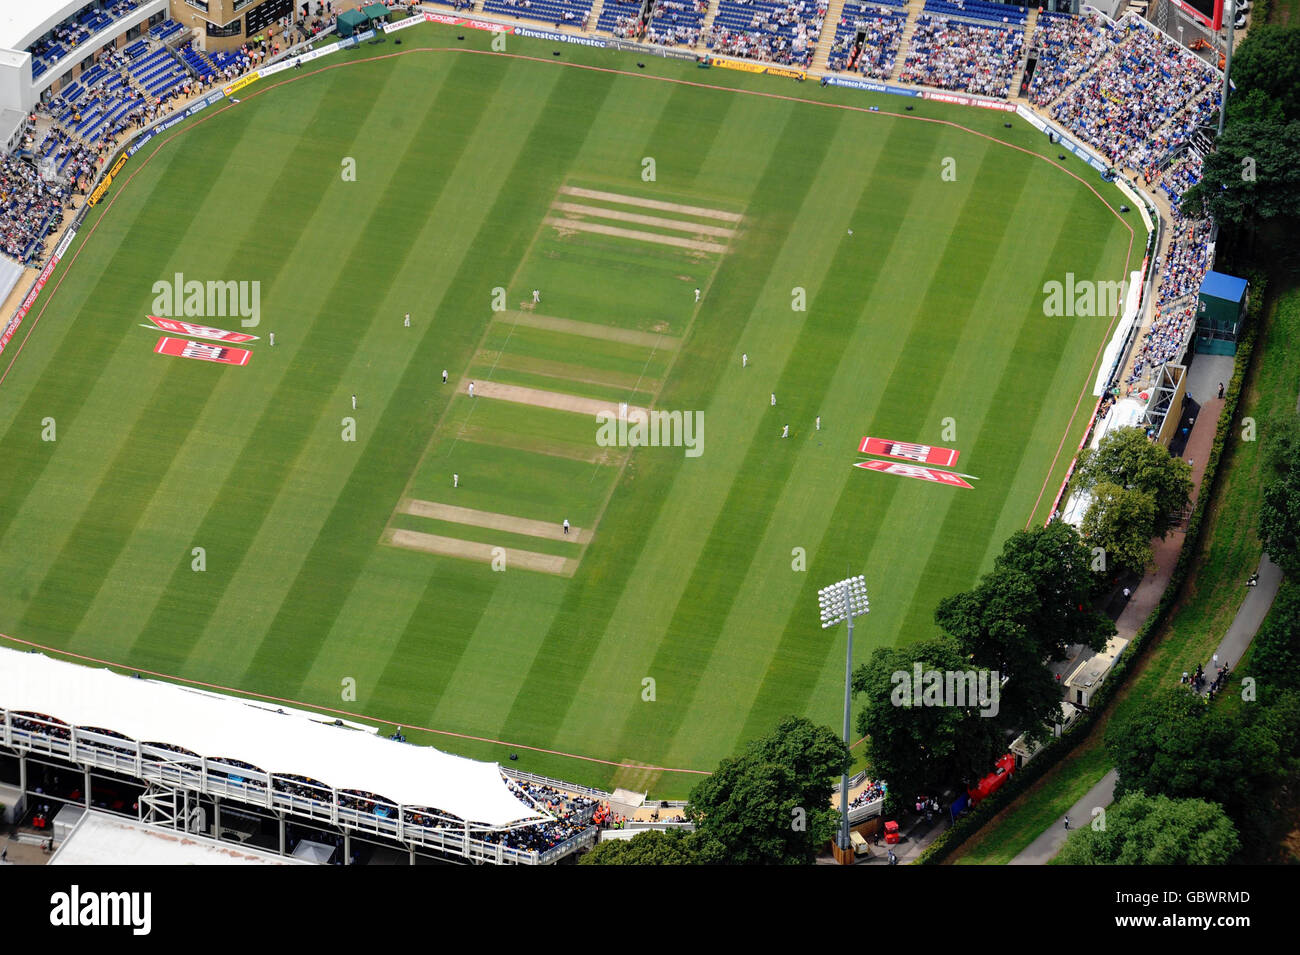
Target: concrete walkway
(1249, 617)
(1043, 849)
(1145, 597)
(1232, 648)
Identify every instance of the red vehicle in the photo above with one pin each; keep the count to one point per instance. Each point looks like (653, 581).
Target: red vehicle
(994, 781)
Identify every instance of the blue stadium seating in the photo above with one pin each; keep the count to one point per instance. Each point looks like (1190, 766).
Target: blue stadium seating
(543, 11)
(998, 13)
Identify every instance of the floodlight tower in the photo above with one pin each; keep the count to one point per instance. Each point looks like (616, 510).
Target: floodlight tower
(1230, 14)
(841, 601)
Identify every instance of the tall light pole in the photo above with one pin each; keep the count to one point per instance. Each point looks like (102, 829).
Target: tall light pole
(1230, 14)
(841, 601)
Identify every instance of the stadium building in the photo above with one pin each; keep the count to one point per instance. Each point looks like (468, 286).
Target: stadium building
(75, 740)
(47, 44)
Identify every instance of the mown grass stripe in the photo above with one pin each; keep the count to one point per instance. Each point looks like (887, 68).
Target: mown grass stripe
(687, 647)
(93, 332)
(562, 662)
(798, 662)
(373, 488)
(1002, 454)
(177, 622)
(86, 558)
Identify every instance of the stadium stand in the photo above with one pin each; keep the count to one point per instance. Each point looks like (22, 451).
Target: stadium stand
(997, 13)
(768, 30)
(955, 55)
(1180, 175)
(74, 31)
(676, 22)
(622, 18)
(29, 208)
(883, 29)
(432, 800)
(1067, 47)
(557, 12)
(167, 30)
(1138, 87)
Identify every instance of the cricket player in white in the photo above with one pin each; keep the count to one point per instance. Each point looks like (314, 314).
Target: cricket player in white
(354, 402)
(774, 399)
(819, 422)
(785, 432)
(471, 389)
(272, 339)
(407, 321)
(697, 295)
(744, 361)
(537, 296)
(444, 376)
(455, 480)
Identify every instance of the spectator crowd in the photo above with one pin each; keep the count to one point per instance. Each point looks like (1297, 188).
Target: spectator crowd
(953, 55)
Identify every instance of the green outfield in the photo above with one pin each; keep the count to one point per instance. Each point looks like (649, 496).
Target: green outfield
(479, 178)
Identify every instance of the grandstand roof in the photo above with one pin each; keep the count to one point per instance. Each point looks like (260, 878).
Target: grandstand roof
(18, 21)
(103, 839)
(22, 21)
(253, 732)
(1224, 286)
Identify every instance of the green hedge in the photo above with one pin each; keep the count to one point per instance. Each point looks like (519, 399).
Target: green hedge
(1056, 750)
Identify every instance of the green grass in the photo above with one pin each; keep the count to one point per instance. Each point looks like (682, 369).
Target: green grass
(931, 310)
(1228, 555)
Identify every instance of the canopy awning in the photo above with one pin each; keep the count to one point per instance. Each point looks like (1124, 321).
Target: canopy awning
(214, 725)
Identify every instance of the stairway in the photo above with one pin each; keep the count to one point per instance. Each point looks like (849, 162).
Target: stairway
(1013, 91)
(914, 8)
(714, 7)
(822, 54)
(594, 17)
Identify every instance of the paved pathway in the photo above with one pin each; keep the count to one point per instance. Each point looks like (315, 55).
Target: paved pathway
(1043, 849)
(1143, 601)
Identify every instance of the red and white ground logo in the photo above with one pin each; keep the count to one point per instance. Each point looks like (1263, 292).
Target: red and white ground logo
(178, 327)
(932, 475)
(201, 351)
(904, 450)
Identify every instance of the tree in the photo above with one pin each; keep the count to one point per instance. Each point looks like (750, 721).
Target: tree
(1251, 177)
(920, 748)
(771, 805)
(1155, 830)
(1279, 521)
(1121, 522)
(1175, 744)
(1128, 459)
(1269, 64)
(653, 847)
(1056, 558)
(1026, 612)
(1276, 653)
(1282, 443)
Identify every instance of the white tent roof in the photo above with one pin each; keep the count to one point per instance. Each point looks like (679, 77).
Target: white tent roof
(1125, 413)
(101, 839)
(214, 725)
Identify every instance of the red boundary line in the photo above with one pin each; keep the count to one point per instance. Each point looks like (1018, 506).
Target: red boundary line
(864, 110)
(339, 712)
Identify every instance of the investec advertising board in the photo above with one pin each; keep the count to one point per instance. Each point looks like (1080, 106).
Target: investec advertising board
(1036, 121)
(853, 84)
